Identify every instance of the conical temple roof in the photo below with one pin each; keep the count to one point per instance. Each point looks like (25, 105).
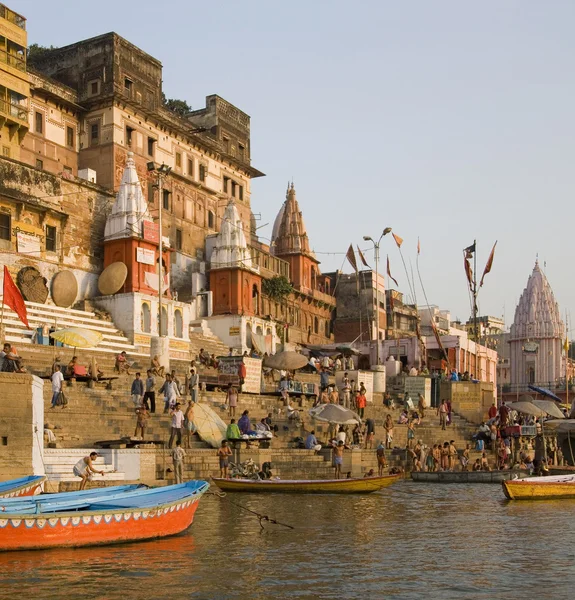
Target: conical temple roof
(231, 247)
(289, 234)
(537, 314)
(130, 207)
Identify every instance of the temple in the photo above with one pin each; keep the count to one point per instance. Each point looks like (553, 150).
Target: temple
(537, 335)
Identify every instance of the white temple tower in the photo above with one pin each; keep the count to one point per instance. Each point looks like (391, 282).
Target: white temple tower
(537, 335)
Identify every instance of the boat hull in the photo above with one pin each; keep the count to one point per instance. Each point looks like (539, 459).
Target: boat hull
(365, 485)
(73, 529)
(25, 488)
(466, 476)
(540, 488)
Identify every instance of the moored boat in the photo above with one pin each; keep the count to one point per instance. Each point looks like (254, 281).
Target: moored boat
(364, 485)
(466, 476)
(134, 515)
(24, 486)
(553, 487)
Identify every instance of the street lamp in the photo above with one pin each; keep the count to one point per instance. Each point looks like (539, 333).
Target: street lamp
(375, 324)
(161, 171)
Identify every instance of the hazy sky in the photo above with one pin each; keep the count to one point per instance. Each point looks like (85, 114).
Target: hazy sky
(446, 120)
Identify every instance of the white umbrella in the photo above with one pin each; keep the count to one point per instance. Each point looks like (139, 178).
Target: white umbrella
(209, 425)
(333, 413)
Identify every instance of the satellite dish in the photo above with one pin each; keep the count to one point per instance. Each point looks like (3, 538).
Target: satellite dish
(64, 289)
(112, 278)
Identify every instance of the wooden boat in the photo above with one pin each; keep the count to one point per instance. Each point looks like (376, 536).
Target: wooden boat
(466, 476)
(130, 516)
(42, 503)
(553, 487)
(25, 486)
(364, 485)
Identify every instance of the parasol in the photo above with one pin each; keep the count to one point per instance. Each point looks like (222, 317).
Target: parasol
(527, 407)
(288, 361)
(550, 408)
(545, 392)
(209, 425)
(333, 413)
(77, 337)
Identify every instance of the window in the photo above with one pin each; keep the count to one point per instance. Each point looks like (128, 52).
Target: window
(179, 160)
(151, 142)
(203, 172)
(94, 87)
(166, 199)
(129, 136)
(39, 122)
(210, 219)
(50, 238)
(241, 150)
(226, 184)
(94, 133)
(178, 324)
(128, 85)
(241, 190)
(190, 167)
(146, 318)
(178, 239)
(226, 144)
(39, 164)
(234, 188)
(5, 227)
(6, 151)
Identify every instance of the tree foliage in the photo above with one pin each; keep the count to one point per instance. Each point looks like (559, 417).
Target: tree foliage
(179, 107)
(37, 52)
(277, 288)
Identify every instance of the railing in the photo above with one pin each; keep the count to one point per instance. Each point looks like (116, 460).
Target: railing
(13, 60)
(14, 110)
(13, 17)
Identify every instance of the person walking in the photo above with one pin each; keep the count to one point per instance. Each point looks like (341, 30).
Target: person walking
(361, 402)
(142, 416)
(137, 390)
(346, 389)
(150, 393)
(224, 453)
(57, 382)
(232, 399)
(177, 423)
(194, 385)
(388, 426)
(171, 393)
(410, 433)
(381, 461)
(178, 455)
(189, 426)
(442, 412)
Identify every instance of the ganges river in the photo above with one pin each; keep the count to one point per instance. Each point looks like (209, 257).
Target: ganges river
(412, 540)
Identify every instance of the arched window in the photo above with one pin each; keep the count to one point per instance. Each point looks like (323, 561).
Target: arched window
(164, 326)
(327, 329)
(259, 330)
(178, 323)
(211, 220)
(316, 325)
(146, 318)
(255, 299)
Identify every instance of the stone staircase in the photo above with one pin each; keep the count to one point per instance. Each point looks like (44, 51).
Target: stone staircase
(59, 466)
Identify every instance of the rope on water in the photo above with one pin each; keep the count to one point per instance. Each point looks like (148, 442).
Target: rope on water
(261, 518)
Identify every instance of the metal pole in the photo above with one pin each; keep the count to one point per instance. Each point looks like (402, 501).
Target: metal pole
(376, 308)
(160, 208)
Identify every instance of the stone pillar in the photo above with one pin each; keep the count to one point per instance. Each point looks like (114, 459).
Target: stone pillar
(21, 425)
(161, 347)
(378, 378)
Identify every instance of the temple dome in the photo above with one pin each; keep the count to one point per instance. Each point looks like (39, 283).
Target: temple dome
(537, 315)
(289, 234)
(231, 248)
(130, 207)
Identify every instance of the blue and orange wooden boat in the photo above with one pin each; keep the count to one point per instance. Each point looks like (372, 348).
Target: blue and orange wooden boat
(25, 486)
(141, 514)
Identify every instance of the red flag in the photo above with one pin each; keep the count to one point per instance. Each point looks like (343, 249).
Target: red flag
(418, 246)
(13, 298)
(389, 273)
(489, 264)
(362, 257)
(468, 270)
(351, 257)
(397, 239)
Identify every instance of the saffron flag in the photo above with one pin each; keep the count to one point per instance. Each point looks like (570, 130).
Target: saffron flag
(351, 257)
(362, 257)
(489, 264)
(468, 270)
(397, 239)
(389, 273)
(418, 246)
(13, 298)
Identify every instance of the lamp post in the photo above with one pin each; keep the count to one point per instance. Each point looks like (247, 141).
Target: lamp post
(375, 298)
(161, 171)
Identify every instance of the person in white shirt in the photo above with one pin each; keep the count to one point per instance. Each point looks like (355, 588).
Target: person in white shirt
(57, 381)
(340, 437)
(178, 455)
(171, 393)
(177, 424)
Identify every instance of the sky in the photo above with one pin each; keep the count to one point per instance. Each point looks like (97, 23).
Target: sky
(449, 121)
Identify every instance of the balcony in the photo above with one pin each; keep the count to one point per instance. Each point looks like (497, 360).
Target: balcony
(12, 17)
(13, 60)
(15, 112)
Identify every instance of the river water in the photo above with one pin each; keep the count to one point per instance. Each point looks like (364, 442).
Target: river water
(410, 541)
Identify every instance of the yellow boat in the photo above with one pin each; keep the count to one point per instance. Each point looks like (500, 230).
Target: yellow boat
(365, 485)
(540, 488)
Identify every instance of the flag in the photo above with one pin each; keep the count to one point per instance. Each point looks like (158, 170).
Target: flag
(13, 298)
(397, 239)
(362, 257)
(418, 246)
(468, 270)
(389, 273)
(566, 346)
(489, 264)
(351, 257)
(469, 250)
